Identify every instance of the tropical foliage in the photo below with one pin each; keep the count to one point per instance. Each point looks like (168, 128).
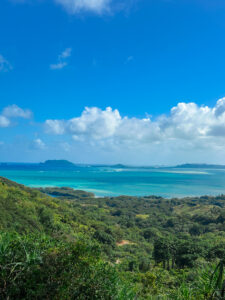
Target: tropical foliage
(65, 244)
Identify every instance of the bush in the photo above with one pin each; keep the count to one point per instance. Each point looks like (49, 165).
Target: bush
(42, 268)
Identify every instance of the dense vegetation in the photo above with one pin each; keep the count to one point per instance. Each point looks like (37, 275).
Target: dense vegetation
(65, 244)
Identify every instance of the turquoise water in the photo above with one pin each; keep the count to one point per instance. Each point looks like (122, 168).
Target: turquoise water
(112, 182)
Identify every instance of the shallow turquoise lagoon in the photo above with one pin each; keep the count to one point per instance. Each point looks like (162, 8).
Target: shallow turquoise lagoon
(168, 182)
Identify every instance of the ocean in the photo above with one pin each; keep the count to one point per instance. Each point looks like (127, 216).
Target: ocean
(106, 181)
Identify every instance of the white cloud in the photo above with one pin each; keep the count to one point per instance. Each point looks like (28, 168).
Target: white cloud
(188, 133)
(4, 122)
(77, 6)
(38, 144)
(100, 124)
(97, 7)
(96, 124)
(62, 60)
(13, 111)
(66, 53)
(186, 123)
(58, 66)
(4, 64)
(55, 126)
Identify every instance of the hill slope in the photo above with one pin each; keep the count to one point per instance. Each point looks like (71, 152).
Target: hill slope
(24, 210)
(159, 244)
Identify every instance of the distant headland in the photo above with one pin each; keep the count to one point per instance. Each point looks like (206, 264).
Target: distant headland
(47, 165)
(63, 164)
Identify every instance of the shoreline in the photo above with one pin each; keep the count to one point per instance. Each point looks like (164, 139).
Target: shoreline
(133, 196)
(164, 185)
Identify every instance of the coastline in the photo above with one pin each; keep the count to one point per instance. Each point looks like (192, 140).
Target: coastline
(167, 183)
(93, 195)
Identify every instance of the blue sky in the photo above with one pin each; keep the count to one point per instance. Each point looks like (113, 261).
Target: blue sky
(138, 57)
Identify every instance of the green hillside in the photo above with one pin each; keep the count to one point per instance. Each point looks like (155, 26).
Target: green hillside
(57, 243)
(28, 210)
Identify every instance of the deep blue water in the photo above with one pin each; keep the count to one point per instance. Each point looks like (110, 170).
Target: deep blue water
(168, 182)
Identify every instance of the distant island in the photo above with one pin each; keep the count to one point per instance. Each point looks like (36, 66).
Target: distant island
(62, 164)
(57, 163)
(69, 165)
(47, 165)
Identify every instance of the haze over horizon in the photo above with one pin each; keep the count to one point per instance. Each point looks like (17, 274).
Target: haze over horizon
(106, 82)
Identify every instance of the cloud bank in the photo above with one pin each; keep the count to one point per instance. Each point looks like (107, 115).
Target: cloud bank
(188, 133)
(185, 122)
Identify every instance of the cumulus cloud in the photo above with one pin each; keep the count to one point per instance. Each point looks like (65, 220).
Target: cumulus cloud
(38, 144)
(55, 126)
(77, 6)
(4, 64)
(62, 60)
(13, 111)
(186, 122)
